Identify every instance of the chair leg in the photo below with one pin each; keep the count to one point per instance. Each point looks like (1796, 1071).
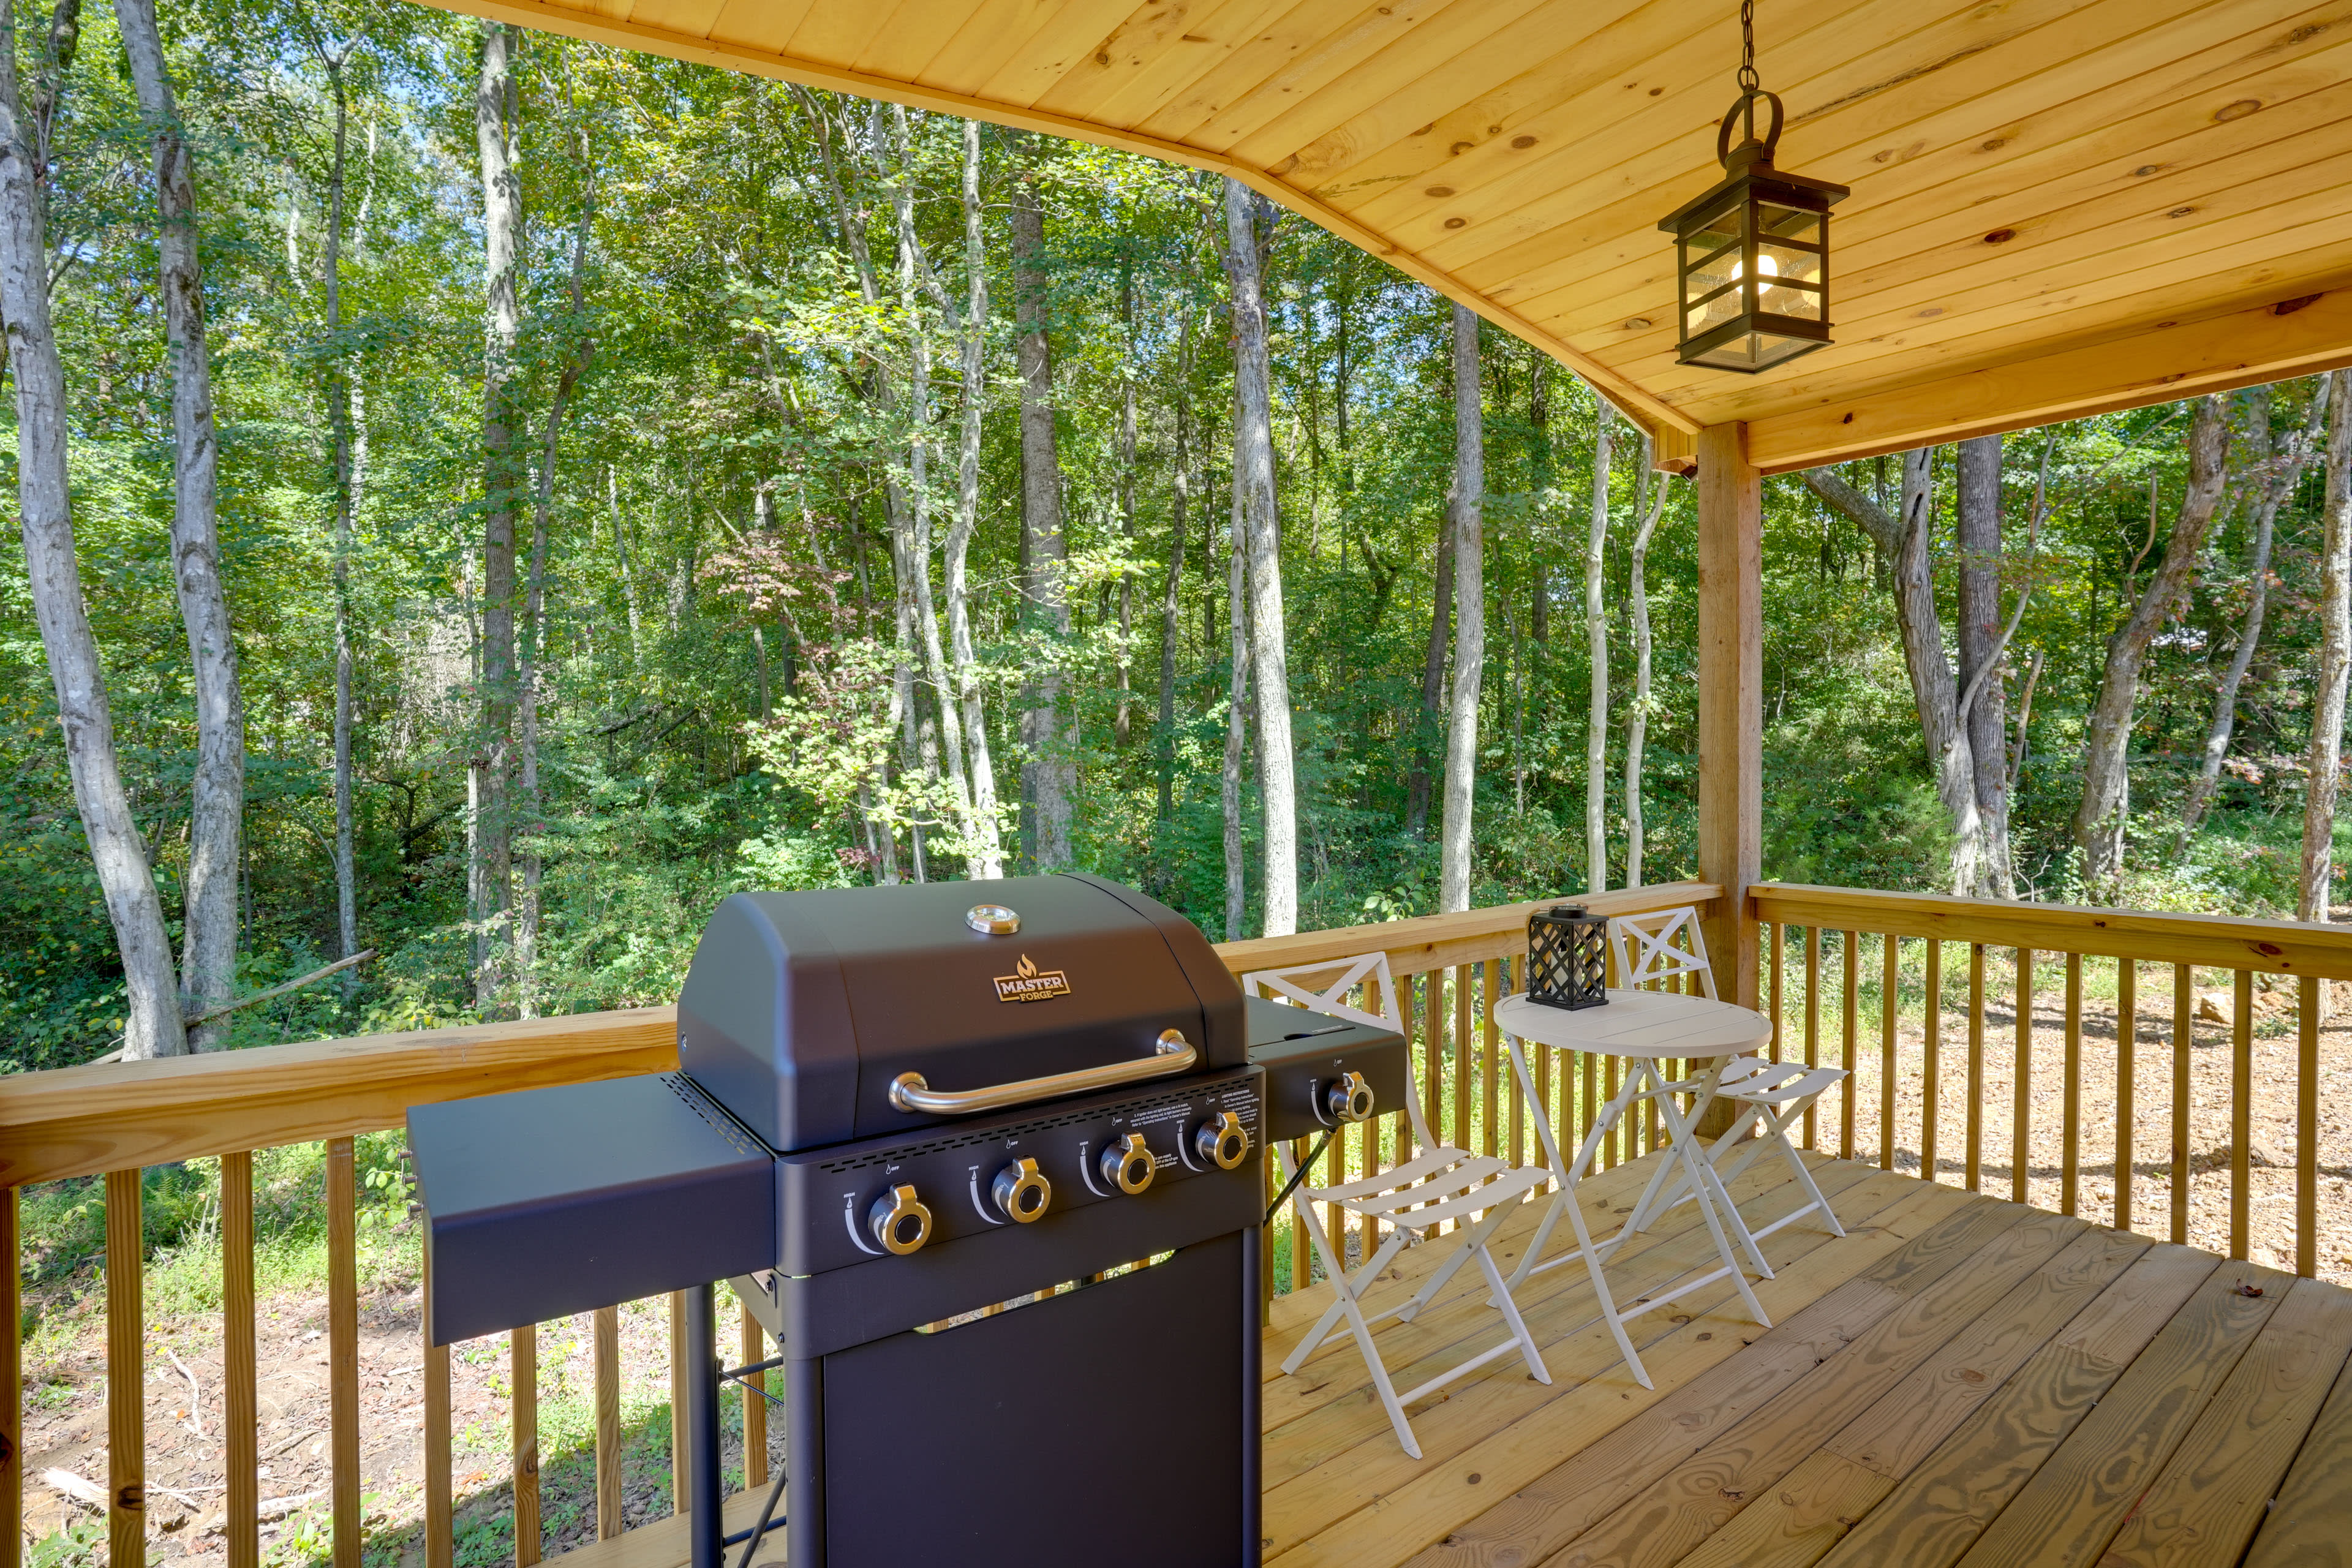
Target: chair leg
(1610, 1115)
(1344, 1289)
(1527, 1350)
(1804, 1173)
(1608, 1303)
(1701, 1175)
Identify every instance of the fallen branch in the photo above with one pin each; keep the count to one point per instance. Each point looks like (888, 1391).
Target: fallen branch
(271, 1509)
(196, 1395)
(88, 1493)
(299, 1437)
(312, 978)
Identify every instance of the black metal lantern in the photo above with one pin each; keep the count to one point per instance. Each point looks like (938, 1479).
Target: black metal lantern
(1752, 255)
(1567, 957)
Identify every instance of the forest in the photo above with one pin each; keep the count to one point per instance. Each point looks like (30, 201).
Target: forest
(487, 496)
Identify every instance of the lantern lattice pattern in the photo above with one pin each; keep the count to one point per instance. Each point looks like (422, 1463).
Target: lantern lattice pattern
(1567, 957)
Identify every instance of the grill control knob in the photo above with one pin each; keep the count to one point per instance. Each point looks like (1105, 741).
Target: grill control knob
(899, 1221)
(1349, 1097)
(1222, 1141)
(1127, 1164)
(1022, 1191)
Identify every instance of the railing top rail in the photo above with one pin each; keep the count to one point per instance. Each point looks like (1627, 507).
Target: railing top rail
(2221, 942)
(81, 1121)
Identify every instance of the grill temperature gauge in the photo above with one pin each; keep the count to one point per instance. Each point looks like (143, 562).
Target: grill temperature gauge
(1222, 1141)
(1022, 1191)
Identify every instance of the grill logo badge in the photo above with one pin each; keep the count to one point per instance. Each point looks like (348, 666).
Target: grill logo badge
(1027, 983)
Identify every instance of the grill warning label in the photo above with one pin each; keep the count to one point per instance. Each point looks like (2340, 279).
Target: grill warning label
(1028, 983)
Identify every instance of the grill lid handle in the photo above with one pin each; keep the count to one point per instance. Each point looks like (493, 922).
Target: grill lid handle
(1173, 1054)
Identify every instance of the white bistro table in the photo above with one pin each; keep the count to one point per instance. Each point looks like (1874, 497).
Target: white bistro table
(1647, 1030)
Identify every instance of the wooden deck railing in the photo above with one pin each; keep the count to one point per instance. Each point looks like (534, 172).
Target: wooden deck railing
(1805, 928)
(116, 1119)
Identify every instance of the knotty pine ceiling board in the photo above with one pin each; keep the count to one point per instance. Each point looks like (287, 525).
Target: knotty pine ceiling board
(2031, 178)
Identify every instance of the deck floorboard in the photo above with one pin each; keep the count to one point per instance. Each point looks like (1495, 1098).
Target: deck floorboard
(1957, 1383)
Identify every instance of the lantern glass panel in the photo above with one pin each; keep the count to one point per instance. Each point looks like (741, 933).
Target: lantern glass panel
(1713, 257)
(1788, 260)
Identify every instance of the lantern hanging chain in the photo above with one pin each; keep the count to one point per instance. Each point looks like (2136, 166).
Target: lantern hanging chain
(1748, 81)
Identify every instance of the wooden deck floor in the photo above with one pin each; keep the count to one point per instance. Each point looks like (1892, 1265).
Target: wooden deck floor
(1956, 1381)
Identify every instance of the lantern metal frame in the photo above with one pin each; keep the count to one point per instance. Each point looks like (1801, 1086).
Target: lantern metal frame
(1751, 190)
(1567, 957)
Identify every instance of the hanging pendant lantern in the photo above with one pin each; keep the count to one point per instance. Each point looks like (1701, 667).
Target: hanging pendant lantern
(1752, 255)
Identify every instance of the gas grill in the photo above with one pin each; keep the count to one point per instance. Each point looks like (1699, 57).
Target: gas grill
(983, 1157)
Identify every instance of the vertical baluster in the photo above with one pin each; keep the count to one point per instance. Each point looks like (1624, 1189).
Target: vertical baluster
(680, 1370)
(606, 1334)
(1490, 1130)
(241, 1416)
(2182, 1040)
(12, 1387)
(1812, 1018)
(1974, 1123)
(1851, 1023)
(2306, 1128)
(343, 1346)
(755, 1409)
(1775, 964)
(2242, 1109)
(1268, 1286)
(1335, 1170)
(126, 1374)
(2020, 1121)
(2126, 1082)
(1931, 1068)
(1591, 1076)
(1433, 1078)
(2070, 1129)
(1544, 1099)
(1462, 1129)
(1887, 1003)
(440, 1514)
(522, 1360)
(1490, 1057)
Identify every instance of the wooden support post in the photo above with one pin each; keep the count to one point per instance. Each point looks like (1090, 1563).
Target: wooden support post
(343, 1348)
(1730, 709)
(240, 1390)
(126, 1374)
(440, 1504)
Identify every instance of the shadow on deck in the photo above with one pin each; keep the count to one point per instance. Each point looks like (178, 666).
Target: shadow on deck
(1957, 1380)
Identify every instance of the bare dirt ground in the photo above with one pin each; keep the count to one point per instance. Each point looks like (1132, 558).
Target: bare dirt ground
(65, 1430)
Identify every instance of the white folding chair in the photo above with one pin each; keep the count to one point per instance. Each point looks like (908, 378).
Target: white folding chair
(1436, 1186)
(1771, 1095)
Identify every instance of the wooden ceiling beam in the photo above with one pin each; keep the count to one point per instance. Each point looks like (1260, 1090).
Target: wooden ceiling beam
(1651, 413)
(2301, 336)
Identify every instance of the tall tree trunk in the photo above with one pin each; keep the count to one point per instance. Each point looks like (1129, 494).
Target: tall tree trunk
(501, 483)
(1905, 544)
(1433, 679)
(1236, 719)
(346, 500)
(1466, 516)
(2279, 483)
(988, 851)
(911, 260)
(1637, 716)
(1122, 723)
(1050, 774)
(1171, 600)
(628, 572)
(216, 807)
(152, 1025)
(1596, 641)
(1982, 647)
(1261, 536)
(2325, 760)
(2100, 821)
(582, 348)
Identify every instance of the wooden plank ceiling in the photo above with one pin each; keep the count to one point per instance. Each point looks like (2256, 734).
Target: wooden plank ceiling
(2059, 205)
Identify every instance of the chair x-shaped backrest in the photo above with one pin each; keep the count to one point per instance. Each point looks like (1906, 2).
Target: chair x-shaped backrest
(1328, 987)
(1655, 955)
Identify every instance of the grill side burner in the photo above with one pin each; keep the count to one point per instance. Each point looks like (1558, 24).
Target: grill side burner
(1322, 1071)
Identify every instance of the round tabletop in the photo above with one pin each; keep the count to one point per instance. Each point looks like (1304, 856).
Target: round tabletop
(1657, 1025)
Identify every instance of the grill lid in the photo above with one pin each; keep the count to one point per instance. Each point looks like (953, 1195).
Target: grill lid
(801, 1009)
